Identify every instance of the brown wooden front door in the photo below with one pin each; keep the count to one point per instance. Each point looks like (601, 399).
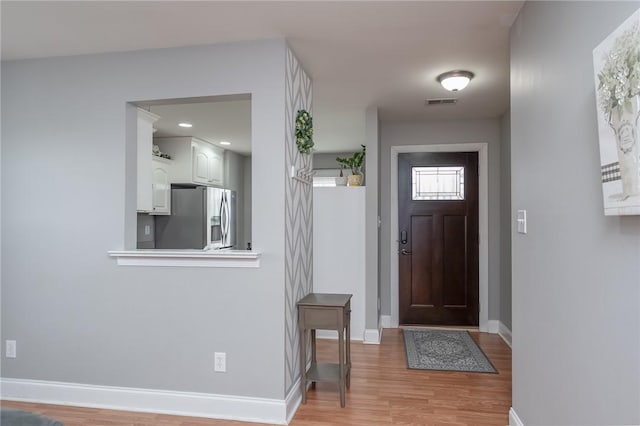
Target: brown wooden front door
(438, 249)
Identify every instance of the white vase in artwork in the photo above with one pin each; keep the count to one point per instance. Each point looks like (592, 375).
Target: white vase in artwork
(624, 121)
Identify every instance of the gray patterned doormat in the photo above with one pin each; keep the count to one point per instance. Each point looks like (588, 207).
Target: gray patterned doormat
(14, 417)
(446, 350)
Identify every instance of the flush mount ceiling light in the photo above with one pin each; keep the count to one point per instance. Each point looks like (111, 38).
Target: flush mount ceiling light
(225, 143)
(455, 80)
(185, 124)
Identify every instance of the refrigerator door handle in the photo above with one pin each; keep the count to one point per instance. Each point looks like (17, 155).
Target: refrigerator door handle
(224, 219)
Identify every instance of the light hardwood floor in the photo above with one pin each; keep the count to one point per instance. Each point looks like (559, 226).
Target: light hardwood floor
(383, 392)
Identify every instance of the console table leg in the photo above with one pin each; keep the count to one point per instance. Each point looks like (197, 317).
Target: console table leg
(303, 365)
(348, 344)
(341, 366)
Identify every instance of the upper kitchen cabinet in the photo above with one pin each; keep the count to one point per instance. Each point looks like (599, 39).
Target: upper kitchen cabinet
(208, 163)
(145, 174)
(195, 160)
(161, 174)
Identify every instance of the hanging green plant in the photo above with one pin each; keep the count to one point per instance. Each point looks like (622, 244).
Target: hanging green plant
(304, 131)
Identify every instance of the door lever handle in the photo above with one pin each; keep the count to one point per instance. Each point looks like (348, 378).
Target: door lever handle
(406, 253)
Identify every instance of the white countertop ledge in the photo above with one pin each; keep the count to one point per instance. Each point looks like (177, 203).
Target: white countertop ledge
(188, 258)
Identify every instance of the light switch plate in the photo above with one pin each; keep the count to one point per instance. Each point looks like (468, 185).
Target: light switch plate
(522, 221)
(10, 349)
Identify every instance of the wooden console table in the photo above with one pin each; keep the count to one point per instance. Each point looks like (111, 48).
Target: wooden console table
(325, 312)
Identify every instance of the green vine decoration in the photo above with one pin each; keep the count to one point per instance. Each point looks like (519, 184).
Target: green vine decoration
(304, 131)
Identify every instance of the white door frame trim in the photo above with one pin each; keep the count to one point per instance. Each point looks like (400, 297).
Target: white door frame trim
(483, 222)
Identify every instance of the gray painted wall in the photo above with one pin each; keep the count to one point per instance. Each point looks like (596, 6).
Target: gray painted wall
(576, 274)
(443, 132)
(506, 219)
(372, 208)
(145, 327)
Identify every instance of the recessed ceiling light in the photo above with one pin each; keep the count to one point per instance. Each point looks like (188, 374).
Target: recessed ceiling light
(455, 80)
(185, 124)
(225, 143)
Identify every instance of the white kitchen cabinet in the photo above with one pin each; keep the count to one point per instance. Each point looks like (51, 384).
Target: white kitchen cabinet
(208, 163)
(144, 144)
(195, 160)
(161, 173)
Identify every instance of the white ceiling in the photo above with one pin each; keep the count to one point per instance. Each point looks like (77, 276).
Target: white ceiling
(213, 120)
(359, 53)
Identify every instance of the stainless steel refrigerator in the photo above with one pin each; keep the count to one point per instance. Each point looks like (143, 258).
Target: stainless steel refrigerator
(201, 217)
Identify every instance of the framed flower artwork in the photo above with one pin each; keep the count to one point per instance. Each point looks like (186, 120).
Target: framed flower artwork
(616, 63)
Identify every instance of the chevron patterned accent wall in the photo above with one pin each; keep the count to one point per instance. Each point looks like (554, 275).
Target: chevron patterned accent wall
(298, 218)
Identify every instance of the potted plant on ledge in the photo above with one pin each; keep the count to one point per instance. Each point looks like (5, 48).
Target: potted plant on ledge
(355, 164)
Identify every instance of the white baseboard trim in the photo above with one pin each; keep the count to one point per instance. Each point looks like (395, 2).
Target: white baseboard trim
(327, 334)
(514, 420)
(497, 327)
(369, 337)
(505, 333)
(293, 401)
(333, 335)
(248, 409)
(385, 321)
(372, 336)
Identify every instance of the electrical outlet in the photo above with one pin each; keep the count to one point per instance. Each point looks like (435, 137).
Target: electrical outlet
(10, 349)
(220, 362)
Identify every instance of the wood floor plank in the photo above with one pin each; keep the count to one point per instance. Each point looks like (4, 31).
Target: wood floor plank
(383, 392)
